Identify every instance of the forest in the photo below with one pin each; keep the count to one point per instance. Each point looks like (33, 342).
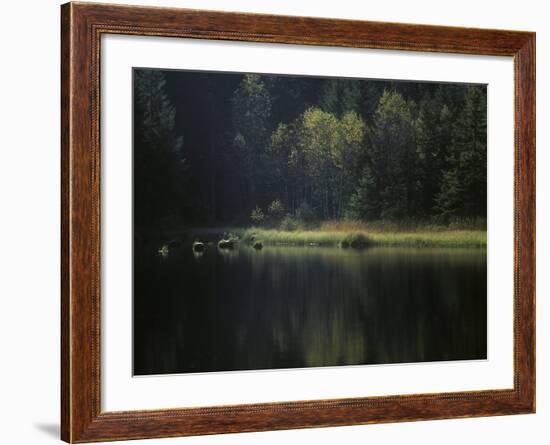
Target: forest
(294, 153)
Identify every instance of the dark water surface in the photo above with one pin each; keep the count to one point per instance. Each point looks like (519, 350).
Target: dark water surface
(288, 307)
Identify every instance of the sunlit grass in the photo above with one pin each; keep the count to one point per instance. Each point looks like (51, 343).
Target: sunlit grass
(343, 236)
(350, 233)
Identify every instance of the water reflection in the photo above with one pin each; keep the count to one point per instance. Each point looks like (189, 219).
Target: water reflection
(285, 307)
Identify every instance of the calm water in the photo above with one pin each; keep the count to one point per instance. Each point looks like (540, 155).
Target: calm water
(287, 307)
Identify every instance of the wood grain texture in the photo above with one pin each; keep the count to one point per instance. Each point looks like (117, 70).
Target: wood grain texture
(82, 26)
(65, 227)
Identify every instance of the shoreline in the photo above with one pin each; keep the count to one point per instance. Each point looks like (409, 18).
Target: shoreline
(347, 237)
(364, 238)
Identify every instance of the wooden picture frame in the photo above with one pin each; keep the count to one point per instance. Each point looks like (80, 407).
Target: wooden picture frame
(82, 25)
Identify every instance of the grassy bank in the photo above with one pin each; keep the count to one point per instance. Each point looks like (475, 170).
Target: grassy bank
(354, 235)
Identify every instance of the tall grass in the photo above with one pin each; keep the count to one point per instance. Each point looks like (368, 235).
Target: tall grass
(352, 233)
(361, 235)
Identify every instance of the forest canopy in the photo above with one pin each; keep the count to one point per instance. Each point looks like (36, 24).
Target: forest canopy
(217, 149)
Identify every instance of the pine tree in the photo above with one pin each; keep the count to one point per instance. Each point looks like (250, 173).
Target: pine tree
(251, 112)
(433, 138)
(366, 202)
(389, 170)
(340, 96)
(154, 111)
(463, 190)
(286, 158)
(159, 164)
(449, 201)
(471, 141)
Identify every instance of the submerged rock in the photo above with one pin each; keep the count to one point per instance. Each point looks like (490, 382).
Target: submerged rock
(198, 246)
(226, 244)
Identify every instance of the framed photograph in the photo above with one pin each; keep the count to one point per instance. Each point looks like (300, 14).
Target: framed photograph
(274, 222)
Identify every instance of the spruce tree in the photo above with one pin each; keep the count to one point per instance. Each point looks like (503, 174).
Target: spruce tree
(159, 164)
(340, 96)
(390, 168)
(463, 191)
(433, 138)
(251, 112)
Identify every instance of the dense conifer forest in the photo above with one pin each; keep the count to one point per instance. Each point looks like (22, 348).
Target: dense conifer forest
(222, 149)
(290, 222)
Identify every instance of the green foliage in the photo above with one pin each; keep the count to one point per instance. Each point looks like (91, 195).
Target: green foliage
(286, 159)
(449, 200)
(301, 150)
(251, 112)
(332, 149)
(257, 216)
(420, 164)
(289, 223)
(356, 241)
(434, 139)
(252, 106)
(422, 159)
(230, 236)
(340, 96)
(276, 210)
(365, 202)
(154, 111)
(387, 187)
(463, 190)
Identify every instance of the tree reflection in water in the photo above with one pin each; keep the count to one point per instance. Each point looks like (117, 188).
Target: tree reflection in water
(288, 307)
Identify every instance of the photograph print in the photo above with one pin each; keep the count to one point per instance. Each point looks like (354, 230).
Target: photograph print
(284, 221)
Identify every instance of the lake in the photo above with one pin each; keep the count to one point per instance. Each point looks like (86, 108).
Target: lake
(293, 307)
